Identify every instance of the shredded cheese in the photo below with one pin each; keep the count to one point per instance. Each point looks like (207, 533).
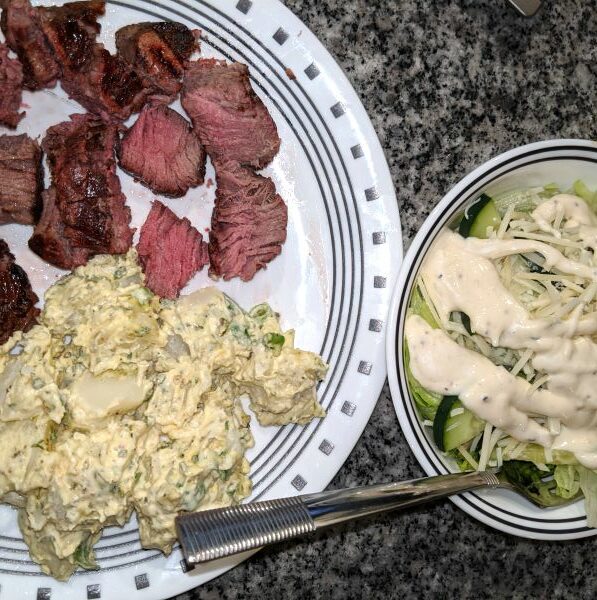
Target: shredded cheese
(485, 447)
(468, 457)
(522, 361)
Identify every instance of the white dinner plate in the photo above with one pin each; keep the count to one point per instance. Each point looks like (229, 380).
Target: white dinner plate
(332, 282)
(554, 161)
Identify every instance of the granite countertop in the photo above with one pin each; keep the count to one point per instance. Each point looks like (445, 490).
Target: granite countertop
(447, 85)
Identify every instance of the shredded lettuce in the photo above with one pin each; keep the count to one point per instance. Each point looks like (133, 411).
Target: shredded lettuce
(418, 306)
(581, 190)
(532, 482)
(588, 485)
(425, 401)
(524, 200)
(536, 454)
(568, 479)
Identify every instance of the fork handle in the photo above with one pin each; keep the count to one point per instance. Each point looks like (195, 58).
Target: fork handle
(221, 532)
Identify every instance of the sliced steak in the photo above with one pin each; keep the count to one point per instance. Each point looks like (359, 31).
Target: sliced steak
(49, 238)
(248, 223)
(171, 251)
(71, 30)
(17, 299)
(104, 84)
(158, 52)
(11, 88)
(21, 24)
(231, 121)
(107, 86)
(84, 211)
(161, 151)
(21, 179)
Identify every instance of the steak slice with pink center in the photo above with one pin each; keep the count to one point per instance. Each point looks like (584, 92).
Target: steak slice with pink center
(162, 152)
(248, 223)
(229, 118)
(170, 250)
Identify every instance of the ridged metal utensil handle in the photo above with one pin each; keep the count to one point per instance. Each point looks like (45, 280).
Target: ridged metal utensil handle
(220, 532)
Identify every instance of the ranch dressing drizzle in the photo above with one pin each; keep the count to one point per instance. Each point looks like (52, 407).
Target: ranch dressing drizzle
(576, 213)
(459, 276)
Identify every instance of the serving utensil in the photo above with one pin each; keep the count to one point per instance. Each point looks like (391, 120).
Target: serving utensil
(220, 532)
(526, 7)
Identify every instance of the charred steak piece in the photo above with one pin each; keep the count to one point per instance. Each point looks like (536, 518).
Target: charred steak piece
(107, 86)
(161, 151)
(231, 121)
(21, 24)
(102, 83)
(170, 250)
(84, 211)
(71, 30)
(248, 223)
(21, 179)
(17, 299)
(158, 52)
(11, 88)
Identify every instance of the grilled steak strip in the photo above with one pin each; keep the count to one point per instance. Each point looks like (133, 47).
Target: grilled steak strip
(84, 211)
(71, 30)
(161, 151)
(230, 120)
(21, 25)
(107, 86)
(21, 179)
(11, 88)
(17, 299)
(104, 84)
(158, 52)
(170, 250)
(248, 223)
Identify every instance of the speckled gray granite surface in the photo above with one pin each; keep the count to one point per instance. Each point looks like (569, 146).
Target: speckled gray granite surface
(447, 84)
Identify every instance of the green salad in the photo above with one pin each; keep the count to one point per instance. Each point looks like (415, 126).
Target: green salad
(501, 341)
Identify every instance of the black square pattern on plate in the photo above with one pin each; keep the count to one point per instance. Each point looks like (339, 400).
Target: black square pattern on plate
(326, 447)
(298, 483)
(281, 36)
(375, 325)
(244, 6)
(357, 151)
(338, 109)
(379, 237)
(312, 71)
(365, 367)
(185, 566)
(93, 591)
(348, 408)
(379, 281)
(141, 581)
(44, 593)
(371, 194)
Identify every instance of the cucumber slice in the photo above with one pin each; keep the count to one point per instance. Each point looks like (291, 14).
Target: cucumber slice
(450, 432)
(478, 217)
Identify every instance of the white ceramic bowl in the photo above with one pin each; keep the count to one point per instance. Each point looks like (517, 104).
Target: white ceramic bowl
(554, 161)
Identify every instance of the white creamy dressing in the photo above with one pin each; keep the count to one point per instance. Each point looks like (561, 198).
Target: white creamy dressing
(576, 213)
(459, 276)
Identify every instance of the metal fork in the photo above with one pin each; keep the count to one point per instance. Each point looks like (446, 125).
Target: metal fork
(526, 8)
(220, 532)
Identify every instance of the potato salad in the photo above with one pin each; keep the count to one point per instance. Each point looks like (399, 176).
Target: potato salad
(119, 402)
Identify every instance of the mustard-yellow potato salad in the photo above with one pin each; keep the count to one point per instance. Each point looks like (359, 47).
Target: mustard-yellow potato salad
(119, 402)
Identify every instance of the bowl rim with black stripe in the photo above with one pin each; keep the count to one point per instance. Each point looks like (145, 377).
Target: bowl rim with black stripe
(560, 161)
